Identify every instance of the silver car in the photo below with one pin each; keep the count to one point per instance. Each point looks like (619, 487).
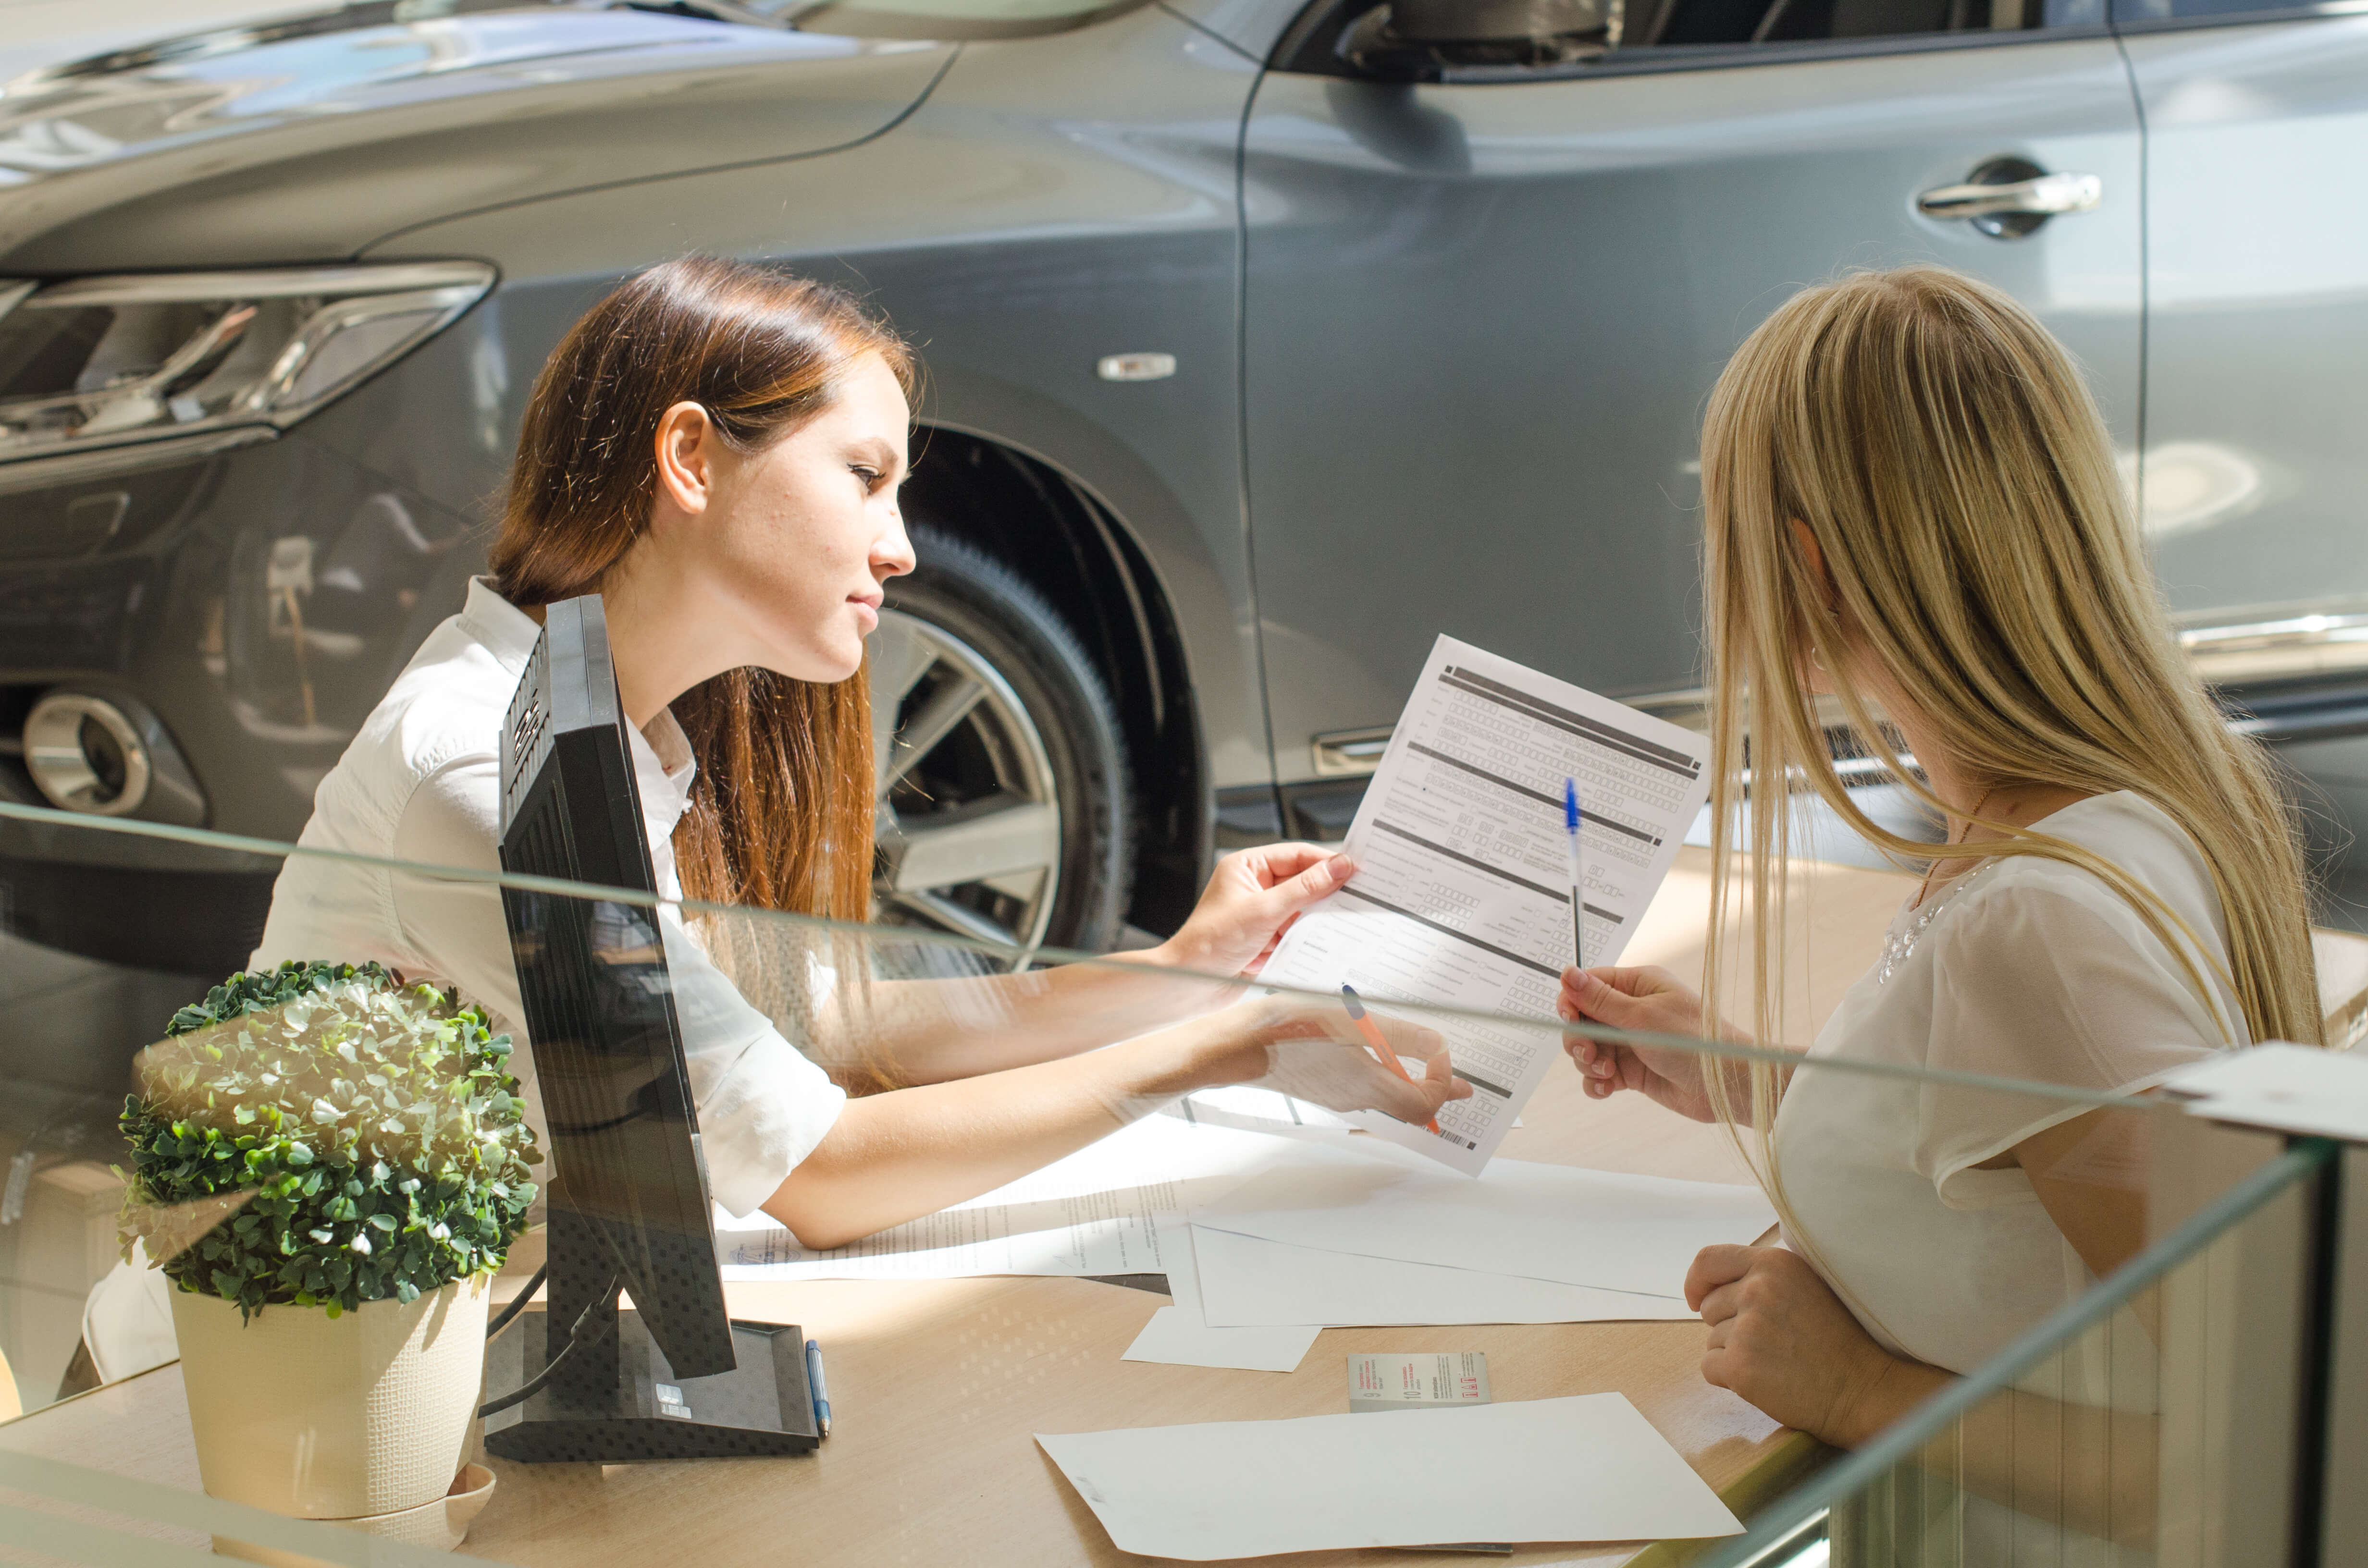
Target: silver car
(1266, 339)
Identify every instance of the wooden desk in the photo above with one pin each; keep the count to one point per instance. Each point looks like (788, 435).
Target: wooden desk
(939, 1385)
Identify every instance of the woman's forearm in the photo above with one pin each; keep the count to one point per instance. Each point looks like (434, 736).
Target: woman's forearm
(2089, 1467)
(931, 1031)
(893, 1157)
(1901, 1387)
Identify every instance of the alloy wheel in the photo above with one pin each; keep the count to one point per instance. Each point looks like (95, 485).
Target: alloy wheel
(968, 821)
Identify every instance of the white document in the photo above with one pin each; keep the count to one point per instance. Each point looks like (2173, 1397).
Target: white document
(1244, 1280)
(1580, 1227)
(1461, 893)
(1254, 1109)
(1582, 1469)
(1090, 1213)
(1181, 1337)
(1178, 1338)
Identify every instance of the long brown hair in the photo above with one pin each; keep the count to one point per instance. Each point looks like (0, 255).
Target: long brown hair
(781, 813)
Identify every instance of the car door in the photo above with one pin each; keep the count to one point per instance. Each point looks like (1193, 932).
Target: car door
(2255, 474)
(1481, 311)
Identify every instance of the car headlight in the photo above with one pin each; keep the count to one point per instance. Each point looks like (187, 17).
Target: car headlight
(102, 361)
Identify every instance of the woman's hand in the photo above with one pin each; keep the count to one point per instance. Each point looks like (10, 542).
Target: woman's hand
(1646, 999)
(1313, 1050)
(1779, 1337)
(1251, 897)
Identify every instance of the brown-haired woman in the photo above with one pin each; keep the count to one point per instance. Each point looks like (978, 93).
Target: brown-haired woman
(715, 449)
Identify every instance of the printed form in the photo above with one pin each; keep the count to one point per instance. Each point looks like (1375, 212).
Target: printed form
(1462, 891)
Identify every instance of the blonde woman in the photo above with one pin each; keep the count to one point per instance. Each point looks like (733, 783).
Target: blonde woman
(1912, 506)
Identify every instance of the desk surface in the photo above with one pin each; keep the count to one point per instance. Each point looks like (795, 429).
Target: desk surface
(939, 1385)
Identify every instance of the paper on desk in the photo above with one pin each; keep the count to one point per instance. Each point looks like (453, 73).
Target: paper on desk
(1244, 1280)
(1462, 891)
(1090, 1213)
(1588, 1468)
(1254, 1109)
(1599, 1228)
(1180, 1335)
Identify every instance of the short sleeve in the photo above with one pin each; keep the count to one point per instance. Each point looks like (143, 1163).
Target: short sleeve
(456, 926)
(2042, 985)
(762, 1105)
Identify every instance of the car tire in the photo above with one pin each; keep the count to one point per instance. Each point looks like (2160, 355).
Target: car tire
(1036, 757)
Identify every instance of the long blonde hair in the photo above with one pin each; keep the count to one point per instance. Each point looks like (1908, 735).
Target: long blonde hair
(1945, 453)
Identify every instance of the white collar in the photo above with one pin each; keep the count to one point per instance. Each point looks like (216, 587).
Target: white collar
(662, 769)
(506, 631)
(663, 764)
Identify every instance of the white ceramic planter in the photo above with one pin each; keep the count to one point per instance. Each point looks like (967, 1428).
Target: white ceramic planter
(363, 1414)
(439, 1526)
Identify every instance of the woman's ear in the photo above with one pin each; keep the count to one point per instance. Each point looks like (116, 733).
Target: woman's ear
(1813, 555)
(686, 458)
(1814, 675)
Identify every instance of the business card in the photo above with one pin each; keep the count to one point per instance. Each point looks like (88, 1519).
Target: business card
(1417, 1383)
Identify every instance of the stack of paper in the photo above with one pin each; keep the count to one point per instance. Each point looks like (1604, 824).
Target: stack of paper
(1320, 1229)
(1397, 1242)
(1090, 1213)
(1588, 1468)
(1391, 1240)
(1180, 1335)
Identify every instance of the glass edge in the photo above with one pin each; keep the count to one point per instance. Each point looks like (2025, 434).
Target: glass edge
(327, 1540)
(1020, 958)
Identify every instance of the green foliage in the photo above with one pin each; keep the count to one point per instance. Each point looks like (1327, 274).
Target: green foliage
(361, 1140)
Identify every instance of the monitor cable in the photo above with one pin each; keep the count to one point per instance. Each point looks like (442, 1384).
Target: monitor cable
(584, 1332)
(508, 1315)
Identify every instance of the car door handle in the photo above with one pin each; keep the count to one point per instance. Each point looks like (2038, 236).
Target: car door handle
(2042, 196)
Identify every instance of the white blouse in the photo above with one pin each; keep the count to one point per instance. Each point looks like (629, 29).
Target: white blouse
(2023, 968)
(420, 783)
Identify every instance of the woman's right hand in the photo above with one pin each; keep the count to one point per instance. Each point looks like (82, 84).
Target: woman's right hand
(1312, 1049)
(1651, 1000)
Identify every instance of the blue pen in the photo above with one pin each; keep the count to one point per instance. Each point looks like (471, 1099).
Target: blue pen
(1570, 820)
(821, 1389)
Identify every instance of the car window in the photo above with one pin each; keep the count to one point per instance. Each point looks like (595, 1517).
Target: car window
(1676, 23)
(1481, 40)
(2181, 11)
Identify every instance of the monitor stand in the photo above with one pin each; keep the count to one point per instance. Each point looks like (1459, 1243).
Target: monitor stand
(616, 1400)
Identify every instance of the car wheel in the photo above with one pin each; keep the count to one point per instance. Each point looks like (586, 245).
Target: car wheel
(1003, 809)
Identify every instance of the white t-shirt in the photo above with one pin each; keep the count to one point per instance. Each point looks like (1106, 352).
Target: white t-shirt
(2023, 968)
(420, 783)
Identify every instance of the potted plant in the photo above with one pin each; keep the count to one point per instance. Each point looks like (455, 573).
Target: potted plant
(328, 1164)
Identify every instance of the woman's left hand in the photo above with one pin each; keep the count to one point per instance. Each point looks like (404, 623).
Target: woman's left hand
(1251, 897)
(1780, 1337)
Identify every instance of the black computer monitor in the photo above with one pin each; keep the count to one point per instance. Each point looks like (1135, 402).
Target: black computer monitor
(675, 1377)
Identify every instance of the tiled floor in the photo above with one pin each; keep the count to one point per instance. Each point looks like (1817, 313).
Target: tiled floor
(69, 1028)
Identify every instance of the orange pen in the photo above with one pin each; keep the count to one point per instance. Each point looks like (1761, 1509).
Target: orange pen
(1373, 1033)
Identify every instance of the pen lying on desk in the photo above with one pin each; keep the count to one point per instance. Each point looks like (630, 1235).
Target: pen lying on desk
(1373, 1033)
(821, 1392)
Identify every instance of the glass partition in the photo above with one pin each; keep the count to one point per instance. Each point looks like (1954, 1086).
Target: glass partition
(2094, 1438)
(1183, 1199)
